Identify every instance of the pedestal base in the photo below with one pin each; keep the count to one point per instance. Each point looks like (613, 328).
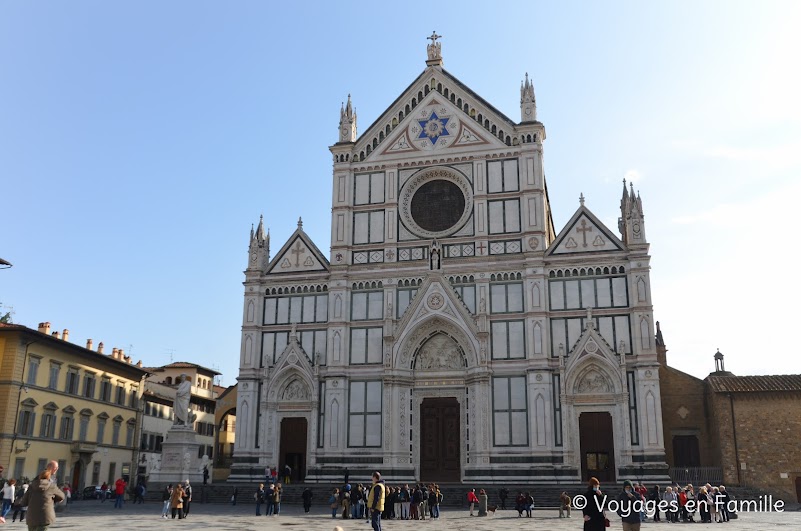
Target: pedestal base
(179, 460)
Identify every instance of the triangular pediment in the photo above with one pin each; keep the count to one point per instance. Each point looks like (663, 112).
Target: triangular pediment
(436, 296)
(469, 122)
(298, 255)
(293, 373)
(585, 233)
(591, 344)
(293, 355)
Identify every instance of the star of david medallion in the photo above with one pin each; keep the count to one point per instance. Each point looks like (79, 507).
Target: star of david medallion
(433, 128)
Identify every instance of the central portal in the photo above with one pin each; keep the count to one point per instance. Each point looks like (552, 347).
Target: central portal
(439, 440)
(293, 447)
(597, 447)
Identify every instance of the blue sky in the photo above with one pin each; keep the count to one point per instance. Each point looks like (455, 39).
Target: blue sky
(140, 140)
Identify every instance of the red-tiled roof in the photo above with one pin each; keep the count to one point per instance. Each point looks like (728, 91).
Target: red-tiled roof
(188, 365)
(755, 384)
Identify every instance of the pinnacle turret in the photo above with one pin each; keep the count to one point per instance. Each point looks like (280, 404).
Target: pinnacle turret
(528, 102)
(347, 122)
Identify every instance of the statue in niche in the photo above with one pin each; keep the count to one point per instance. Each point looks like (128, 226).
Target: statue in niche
(593, 382)
(295, 391)
(435, 256)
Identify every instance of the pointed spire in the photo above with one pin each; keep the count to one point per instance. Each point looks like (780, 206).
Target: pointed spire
(349, 108)
(581, 199)
(347, 122)
(260, 229)
(528, 103)
(251, 232)
(300, 223)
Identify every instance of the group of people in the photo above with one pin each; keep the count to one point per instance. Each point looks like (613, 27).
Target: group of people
(372, 503)
(176, 500)
(270, 497)
(271, 474)
(404, 502)
(635, 500)
(33, 502)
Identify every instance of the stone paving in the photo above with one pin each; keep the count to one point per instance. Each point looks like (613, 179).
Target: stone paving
(94, 515)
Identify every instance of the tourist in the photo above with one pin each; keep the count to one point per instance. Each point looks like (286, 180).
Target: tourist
(40, 499)
(333, 501)
(594, 518)
(433, 501)
(277, 499)
(103, 492)
(166, 494)
(415, 504)
(344, 500)
(287, 474)
(472, 499)
(273, 475)
(520, 504)
(704, 501)
(259, 497)
(269, 496)
(690, 492)
(503, 494)
(9, 494)
(234, 495)
(482, 502)
(714, 505)
(405, 501)
(139, 493)
(119, 493)
(672, 505)
(67, 492)
(307, 498)
(375, 501)
(187, 497)
(397, 502)
(423, 502)
(564, 505)
(529, 504)
(724, 503)
(177, 502)
(19, 509)
(628, 510)
(656, 496)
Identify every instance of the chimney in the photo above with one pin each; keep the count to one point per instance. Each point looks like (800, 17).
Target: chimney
(55, 334)
(100, 348)
(46, 327)
(66, 335)
(42, 328)
(139, 363)
(89, 344)
(120, 354)
(114, 353)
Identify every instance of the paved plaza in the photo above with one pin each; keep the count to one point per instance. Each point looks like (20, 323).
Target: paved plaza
(89, 515)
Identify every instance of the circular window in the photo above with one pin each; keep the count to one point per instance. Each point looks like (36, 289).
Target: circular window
(437, 205)
(436, 202)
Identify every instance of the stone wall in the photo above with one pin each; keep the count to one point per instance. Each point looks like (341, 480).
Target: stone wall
(685, 412)
(768, 431)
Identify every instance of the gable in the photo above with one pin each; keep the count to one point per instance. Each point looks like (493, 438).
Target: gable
(472, 119)
(298, 255)
(585, 233)
(435, 125)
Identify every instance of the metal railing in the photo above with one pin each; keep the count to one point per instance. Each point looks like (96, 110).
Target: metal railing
(697, 475)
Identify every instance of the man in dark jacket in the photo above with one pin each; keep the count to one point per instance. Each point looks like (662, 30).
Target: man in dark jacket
(503, 494)
(630, 507)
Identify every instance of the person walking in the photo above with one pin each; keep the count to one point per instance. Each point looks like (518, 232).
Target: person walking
(103, 492)
(177, 502)
(67, 492)
(307, 498)
(119, 493)
(19, 509)
(287, 473)
(629, 509)
(139, 497)
(259, 497)
(594, 518)
(9, 494)
(375, 501)
(166, 494)
(40, 499)
(472, 499)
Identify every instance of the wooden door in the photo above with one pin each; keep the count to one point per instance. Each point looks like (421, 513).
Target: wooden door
(440, 440)
(686, 451)
(293, 448)
(597, 447)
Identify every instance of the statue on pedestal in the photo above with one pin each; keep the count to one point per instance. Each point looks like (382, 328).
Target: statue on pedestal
(183, 416)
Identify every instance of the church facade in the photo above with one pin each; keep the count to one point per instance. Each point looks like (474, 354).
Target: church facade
(451, 334)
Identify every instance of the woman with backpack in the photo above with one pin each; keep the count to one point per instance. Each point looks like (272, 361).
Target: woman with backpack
(333, 501)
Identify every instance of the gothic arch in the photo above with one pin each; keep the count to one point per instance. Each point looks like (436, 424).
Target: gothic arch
(445, 343)
(585, 369)
(285, 377)
(410, 343)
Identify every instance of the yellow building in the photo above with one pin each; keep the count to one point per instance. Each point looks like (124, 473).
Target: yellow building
(66, 402)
